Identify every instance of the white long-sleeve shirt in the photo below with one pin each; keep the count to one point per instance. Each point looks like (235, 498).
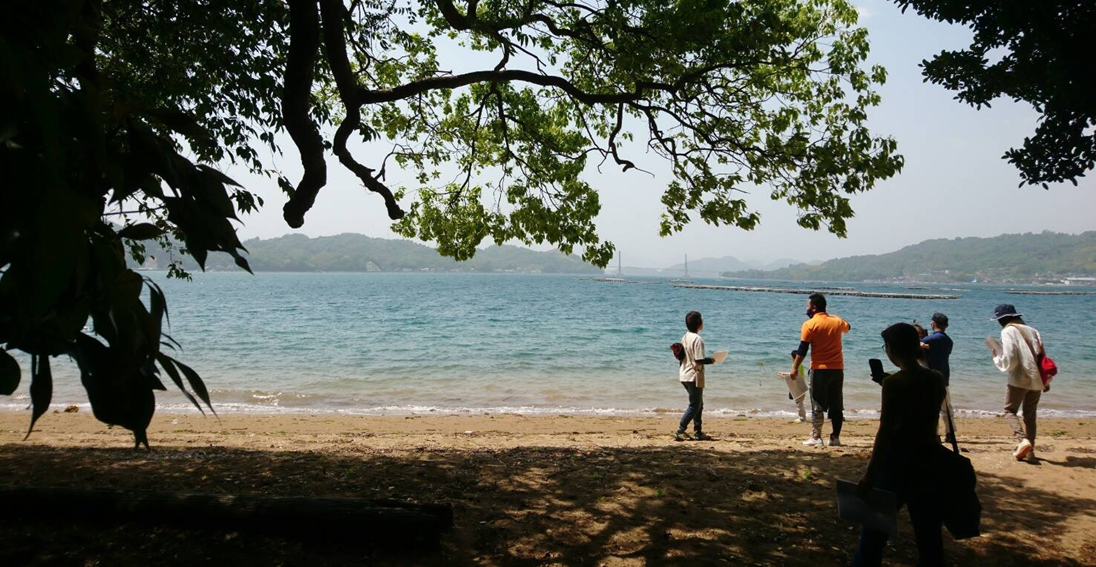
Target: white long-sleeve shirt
(1017, 359)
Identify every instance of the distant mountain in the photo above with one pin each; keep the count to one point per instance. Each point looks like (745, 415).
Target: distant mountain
(1007, 258)
(360, 253)
(781, 263)
(714, 265)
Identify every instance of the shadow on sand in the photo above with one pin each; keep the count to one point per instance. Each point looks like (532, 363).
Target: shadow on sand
(683, 503)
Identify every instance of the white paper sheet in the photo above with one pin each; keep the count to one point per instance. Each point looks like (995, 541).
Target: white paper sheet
(993, 344)
(798, 387)
(719, 356)
(879, 511)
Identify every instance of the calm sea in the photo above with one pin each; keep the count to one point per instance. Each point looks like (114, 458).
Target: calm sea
(451, 343)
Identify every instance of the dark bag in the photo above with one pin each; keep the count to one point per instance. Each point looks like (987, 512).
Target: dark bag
(679, 352)
(959, 504)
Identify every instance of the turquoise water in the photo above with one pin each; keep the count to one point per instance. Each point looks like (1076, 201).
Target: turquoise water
(410, 343)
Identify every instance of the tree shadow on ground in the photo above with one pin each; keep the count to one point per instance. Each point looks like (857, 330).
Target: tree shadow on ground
(687, 503)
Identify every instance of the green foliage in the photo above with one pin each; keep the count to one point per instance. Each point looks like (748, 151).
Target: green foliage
(80, 137)
(359, 253)
(117, 112)
(1036, 52)
(733, 95)
(1010, 257)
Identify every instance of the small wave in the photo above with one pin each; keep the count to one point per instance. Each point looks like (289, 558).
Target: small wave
(268, 408)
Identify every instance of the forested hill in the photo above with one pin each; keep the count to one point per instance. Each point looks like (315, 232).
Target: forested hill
(1006, 258)
(360, 253)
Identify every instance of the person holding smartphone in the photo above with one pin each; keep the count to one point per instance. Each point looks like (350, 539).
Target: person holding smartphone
(902, 457)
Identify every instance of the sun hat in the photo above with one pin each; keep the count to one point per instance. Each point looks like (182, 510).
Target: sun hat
(1004, 310)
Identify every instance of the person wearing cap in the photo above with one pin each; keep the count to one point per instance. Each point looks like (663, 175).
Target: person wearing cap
(937, 346)
(1020, 344)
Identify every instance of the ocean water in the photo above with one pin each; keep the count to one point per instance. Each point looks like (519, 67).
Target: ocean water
(453, 343)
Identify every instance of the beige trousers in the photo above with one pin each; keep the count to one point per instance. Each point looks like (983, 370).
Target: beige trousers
(1028, 400)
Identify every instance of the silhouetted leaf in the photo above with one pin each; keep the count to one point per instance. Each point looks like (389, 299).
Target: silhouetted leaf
(161, 305)
(197, 384)
(41, 389)
(168, 364)
(142, 231)
(9, 373)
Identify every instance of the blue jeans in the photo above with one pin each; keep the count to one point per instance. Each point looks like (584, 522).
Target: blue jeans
(696, 407)
(925, 515)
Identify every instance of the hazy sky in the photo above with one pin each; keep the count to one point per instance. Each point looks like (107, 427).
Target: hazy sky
(954, 182)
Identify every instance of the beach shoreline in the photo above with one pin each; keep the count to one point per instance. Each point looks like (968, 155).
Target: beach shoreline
(556, 490)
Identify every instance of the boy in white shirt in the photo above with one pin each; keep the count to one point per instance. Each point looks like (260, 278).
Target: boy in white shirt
(691, 375)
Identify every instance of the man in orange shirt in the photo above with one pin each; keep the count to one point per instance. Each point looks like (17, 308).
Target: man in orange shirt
(822, 335)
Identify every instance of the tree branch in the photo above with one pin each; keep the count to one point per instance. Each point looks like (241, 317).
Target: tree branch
(304, 41)
(366, 96)
(335, 44)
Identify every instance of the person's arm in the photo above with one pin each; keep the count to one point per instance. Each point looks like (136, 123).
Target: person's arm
(1008, 356)
(800, 355)
(882, 442)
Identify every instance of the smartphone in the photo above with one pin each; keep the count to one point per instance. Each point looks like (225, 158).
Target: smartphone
(877, 373)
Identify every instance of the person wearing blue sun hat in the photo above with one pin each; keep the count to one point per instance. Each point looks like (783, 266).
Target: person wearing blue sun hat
(1019, 349)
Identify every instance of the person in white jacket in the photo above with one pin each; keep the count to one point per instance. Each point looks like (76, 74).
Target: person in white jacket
(1020, 345)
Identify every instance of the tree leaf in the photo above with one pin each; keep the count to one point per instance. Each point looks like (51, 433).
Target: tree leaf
(196, 383)
(141, 231)
(168, 364)
(9, 373)
(41, 389)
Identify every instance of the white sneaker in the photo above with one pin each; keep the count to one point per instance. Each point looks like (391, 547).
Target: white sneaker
(814, 442)
(1022, 450)
(799, 420)
(835, 441)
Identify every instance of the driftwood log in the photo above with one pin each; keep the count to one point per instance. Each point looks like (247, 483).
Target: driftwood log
(377, 521)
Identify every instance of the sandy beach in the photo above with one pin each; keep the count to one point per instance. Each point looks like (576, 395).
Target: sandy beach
(539, 490)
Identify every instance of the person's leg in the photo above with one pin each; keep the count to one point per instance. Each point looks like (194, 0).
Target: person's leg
(945, 411)
(818, 402)
(800, 404)
(869, 552)
(1031, 407)
(698, 427)
(690, 410)
(1013, 398)
(837, 404)
(927, 527)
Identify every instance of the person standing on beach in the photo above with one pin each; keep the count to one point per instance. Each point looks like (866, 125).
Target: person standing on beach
(903, 455)
(937, 348)
(821, 334)
(800, 400)
(921, 334)
(691, 375)
(1020, 344)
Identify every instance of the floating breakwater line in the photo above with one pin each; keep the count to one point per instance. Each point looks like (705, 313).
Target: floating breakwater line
(828, 292)
(1034, 292)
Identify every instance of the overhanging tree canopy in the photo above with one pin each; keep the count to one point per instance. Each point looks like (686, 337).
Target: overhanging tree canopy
(1038, 52)
(117, 112)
